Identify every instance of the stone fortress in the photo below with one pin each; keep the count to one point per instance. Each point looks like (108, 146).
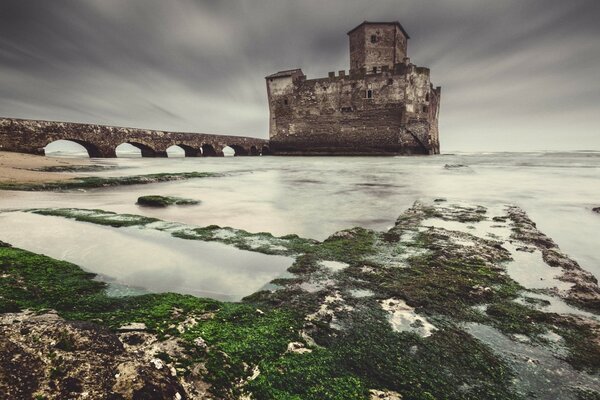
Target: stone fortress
(384, 105)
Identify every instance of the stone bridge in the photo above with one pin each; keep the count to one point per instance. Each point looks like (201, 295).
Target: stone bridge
(31, 136)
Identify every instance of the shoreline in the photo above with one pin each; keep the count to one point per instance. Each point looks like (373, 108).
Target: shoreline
(25, 172)
(21, 168)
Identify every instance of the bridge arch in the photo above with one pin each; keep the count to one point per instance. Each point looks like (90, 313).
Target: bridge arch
(208, 150)
(238, 150)
(92, 150)
(188, 151)
(228, 151)
(145, 150)
(265, 151)
(254, 151)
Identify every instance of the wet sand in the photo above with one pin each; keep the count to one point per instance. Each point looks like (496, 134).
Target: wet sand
(20, 168)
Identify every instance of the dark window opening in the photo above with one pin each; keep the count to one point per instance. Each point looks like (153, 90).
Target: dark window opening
(425, 109)
(374, 70)
(369, 94)
(285, 101)
(427, 97)
(390, 81)
(346, 109)
(373, 38)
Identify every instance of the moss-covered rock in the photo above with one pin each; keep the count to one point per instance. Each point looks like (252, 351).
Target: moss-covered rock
(164, 201)
(92, 182)
(364, 312)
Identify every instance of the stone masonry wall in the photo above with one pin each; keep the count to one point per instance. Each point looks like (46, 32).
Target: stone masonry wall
(335, 115)
(388, 48)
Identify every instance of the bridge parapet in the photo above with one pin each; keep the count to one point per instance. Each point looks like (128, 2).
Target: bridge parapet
(32, 136)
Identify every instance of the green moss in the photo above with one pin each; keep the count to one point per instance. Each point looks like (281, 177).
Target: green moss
(97, 182)
(582, 342)
(246, 334)
(305, 264)
(38, 282)
(73, 168)
(447, 286)
(313, 376)
(164, 201)
(99, 217)
(237, 334)
(579, 338)
(450, 364)
(362, 351)
(511, 318)
(348, 246)
(588, 394)
(261, 242)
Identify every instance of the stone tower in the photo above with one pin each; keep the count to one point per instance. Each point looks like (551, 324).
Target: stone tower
(384, 105)
(377, 44)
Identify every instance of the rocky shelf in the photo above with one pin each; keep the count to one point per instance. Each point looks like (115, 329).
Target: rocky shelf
(442, 305)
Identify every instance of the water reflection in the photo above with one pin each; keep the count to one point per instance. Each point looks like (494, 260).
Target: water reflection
(146, 259)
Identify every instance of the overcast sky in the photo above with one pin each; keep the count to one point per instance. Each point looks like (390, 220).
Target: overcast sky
(515, 74)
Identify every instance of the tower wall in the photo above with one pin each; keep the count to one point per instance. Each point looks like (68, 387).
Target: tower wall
(334, 115)
(385, 105)
(375, 45)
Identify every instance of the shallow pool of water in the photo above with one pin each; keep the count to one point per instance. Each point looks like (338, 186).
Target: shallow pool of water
(145, 259)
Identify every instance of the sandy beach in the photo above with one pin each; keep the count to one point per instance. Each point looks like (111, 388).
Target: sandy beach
(21, 168)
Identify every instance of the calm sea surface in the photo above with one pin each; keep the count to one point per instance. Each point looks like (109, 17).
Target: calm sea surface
(309, 196)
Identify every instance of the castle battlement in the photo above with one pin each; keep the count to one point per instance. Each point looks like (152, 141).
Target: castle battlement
(383, 105)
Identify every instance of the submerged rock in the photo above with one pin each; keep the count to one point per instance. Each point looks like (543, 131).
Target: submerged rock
(164, 201)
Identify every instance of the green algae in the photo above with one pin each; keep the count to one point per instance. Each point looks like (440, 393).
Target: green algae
(164, 201)
(313, 376)
(99, 217)
(74, 168)
(238, 335)
(91, 182)
(240, 331)
(262, 242)
(37, 282)
(588, 394)
(354, 349)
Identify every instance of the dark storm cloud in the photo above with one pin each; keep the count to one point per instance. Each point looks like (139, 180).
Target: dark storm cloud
(515, 74)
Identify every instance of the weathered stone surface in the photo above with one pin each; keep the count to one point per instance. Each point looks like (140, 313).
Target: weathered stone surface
(46, 356)
(31, 136)
(386, 105)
